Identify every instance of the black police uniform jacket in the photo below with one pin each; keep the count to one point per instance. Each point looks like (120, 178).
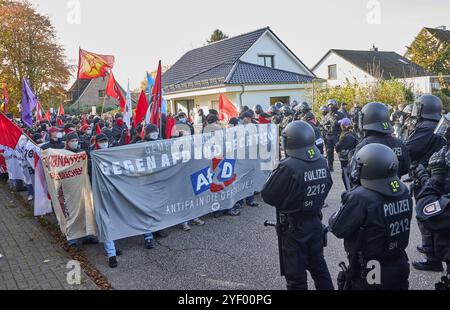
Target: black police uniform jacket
(395, 144)
(433, 211)
(387, 222)
(333, 119)
(423, 143)
(298, 186)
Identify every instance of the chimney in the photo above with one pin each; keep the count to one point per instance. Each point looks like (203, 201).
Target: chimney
(442, 27)
(374, 48)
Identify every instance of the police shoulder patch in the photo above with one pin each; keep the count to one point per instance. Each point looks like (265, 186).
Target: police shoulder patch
(432, 208)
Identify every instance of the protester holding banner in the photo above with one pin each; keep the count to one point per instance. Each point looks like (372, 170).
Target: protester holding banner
(55, 142)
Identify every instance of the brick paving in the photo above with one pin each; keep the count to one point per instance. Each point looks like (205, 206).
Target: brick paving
(29, 257)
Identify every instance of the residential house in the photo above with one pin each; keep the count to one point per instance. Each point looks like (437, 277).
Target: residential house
(339, 67)
(249, 69)
(85, 93)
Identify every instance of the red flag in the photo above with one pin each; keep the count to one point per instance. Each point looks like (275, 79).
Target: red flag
(113, 91)
(61, 110)
(5, 99)
(39, 117)
(10, 132)
(170, 123)
(84, 121)
(227, 110)
(48, 116)
(91, 66)
(141, 109)
(128, 137)
(157, 98)
(99, 130)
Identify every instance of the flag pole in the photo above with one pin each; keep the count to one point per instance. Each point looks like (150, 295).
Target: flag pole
(78, 82)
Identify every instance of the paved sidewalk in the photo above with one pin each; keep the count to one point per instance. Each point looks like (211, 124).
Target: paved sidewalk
(29, 257)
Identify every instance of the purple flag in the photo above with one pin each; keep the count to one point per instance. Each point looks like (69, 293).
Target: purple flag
(29, 102)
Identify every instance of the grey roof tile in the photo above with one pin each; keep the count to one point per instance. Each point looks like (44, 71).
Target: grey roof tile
(389, 64)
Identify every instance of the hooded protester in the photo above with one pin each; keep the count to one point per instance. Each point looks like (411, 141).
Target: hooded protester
(119, 130)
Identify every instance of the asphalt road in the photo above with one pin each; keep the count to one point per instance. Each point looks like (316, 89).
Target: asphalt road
(230, 253)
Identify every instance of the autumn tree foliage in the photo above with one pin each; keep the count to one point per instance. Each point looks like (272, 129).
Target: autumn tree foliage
(29, 48)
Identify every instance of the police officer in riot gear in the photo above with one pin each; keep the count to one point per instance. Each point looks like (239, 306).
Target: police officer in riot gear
(433, 208)
(374, 222)
(258, 109)
(288, 116)
(310, 118)
(377, 129)
(408, 122)
(298, 188)
(422, 143)
(334, 130)
(274, 112)
(301, 110)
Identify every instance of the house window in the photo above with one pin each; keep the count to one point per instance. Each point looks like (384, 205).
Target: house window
(101, 93)
(266, 61)
(283, 100)
(332, 72)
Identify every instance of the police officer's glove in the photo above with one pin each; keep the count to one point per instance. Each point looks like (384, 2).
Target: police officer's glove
(438, 164)
(421, 174)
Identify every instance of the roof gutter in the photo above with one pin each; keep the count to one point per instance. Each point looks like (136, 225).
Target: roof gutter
(241, 94)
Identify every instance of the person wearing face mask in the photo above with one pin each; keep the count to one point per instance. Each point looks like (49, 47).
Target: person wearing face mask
(183, 124)
(151, 134)
(73, 145)
(101, 143)
(119, 130)
(73, 142)
(85, 135)
(55, 139)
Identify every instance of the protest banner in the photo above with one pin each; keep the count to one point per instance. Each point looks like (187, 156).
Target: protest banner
(150, 186)
(3, 168)
(70, 192)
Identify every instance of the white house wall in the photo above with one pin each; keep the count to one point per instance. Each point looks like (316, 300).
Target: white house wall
(268, 45)
(251, 97)
(345, 71)
(419, 85)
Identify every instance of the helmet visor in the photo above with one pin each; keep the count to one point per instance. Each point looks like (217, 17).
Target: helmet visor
(416, 109)
(443, 126)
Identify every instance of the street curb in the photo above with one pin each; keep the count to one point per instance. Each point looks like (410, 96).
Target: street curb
(79, 255)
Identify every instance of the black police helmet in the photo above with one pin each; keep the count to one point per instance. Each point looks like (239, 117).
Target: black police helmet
(299, 141)
(273, 110)
(375, 117)
(332, 104)
(429, 107)
(377, 168)
(279, 105)
(304, 107)
(309, 117)
(258, 109)
(286, 110)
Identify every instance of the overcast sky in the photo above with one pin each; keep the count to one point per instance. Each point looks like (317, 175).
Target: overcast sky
(140, 32)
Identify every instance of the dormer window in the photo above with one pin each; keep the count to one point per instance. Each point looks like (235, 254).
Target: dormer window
(266, 60)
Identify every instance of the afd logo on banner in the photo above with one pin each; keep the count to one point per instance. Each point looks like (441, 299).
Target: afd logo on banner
(216, 179)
